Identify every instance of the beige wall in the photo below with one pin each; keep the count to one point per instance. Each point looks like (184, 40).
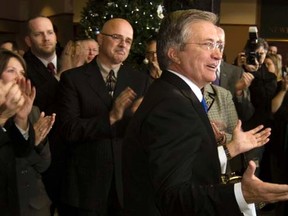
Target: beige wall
(77, 9)
(236, 17)
(238, 12)
(15, 12)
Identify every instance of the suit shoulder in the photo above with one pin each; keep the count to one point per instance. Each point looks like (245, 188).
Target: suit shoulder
(129, 67)
(221, 90)
(77, 71)
(232, 67)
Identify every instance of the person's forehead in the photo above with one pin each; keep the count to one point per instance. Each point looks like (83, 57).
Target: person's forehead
(261, 49)
(14, 62)
(7, 45)
(41, 24)
(203, 30)
(120, 27)
(92, 43)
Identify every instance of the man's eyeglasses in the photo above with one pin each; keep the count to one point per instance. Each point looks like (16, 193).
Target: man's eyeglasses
(211, 45)
(118, 38)
(151, 52)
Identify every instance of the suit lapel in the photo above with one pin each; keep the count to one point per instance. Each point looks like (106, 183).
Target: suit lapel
(187, 92)
(96, 82)
(209, 95)
(38, 66)
(121, 84)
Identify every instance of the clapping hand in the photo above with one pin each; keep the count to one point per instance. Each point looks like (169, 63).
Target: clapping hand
(29, 93)
(219, 131)
(43, 126)
(122, 102)
(11, 101)
(136, 104)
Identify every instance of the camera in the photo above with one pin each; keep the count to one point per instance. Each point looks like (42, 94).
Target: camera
(250, 48)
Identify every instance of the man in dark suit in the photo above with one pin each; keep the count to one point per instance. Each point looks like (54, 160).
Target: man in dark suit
(94, 110)
(41, 58)
(41, 40)
(171, 163)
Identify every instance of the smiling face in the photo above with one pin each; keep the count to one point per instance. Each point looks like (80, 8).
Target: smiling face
(13, 71)
(115, 41)
(195, 61)
(42, 38)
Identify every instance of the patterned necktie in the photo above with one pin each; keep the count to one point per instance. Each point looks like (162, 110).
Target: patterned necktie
(111, 82)
(51, 68)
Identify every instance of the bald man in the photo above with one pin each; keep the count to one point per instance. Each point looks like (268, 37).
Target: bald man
(94, 110)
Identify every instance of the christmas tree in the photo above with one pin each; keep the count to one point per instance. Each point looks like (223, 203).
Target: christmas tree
(144, 16)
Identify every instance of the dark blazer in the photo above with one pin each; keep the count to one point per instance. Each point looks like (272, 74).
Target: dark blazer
(170, 157)
(46, 84)
(31, 190)
(93, 146)
(229, 75)
(12, 144)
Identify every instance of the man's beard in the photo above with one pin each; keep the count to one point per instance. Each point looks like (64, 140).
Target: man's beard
(44, 53)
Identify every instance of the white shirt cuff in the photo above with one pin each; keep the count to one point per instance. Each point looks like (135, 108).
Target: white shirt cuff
(222, 159)
(25, 133)
(245, 208)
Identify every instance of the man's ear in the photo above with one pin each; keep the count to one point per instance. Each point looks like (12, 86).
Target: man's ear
(28, 41)
(173, 55)
(99, 39)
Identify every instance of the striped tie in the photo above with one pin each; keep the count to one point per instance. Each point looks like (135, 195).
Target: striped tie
(111, 82)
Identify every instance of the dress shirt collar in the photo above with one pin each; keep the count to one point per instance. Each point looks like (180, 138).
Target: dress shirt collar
(105, 70)
(196, 90)
(45, 62)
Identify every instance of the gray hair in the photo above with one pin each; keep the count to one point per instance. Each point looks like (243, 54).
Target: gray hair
(174, 31)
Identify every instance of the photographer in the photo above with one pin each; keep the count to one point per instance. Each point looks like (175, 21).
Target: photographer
(253, 56)
(262, 90)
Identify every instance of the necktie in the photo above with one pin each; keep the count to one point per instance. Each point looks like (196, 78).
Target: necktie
(217, 80)
(204, 104)
(51, 68)
(111, 82)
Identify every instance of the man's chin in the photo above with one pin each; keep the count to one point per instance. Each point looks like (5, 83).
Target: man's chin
(119, 60)
(47, 53)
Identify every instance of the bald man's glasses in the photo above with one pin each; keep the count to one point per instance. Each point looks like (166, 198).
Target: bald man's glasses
(211, 46)
(118, 38)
